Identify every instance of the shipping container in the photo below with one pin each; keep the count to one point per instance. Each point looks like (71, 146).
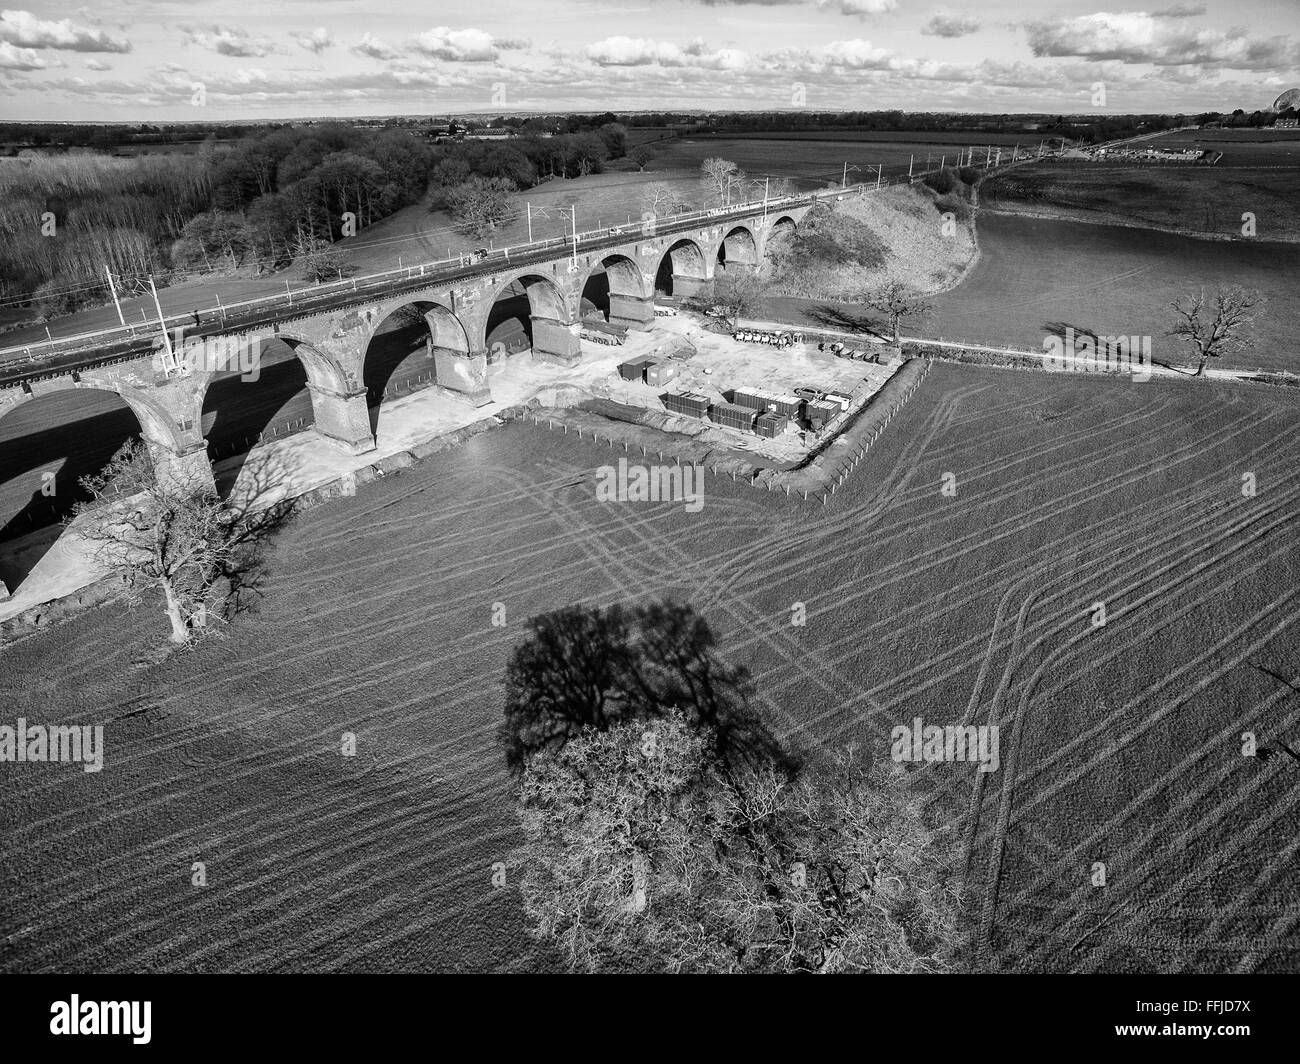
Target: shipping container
(690, 403)
(771, 425)
(790, 406)
(634, 370)
(750, 397)
(732, 416)
(819, 412)
(842, 400)
(657, 373)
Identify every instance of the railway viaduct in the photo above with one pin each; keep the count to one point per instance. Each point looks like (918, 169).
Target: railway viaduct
(332, 342)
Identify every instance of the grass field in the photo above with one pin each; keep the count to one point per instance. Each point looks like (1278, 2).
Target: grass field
(1036, 275)
(814, 163)
(1198, 200)
(1241, 147)
(1121, 744)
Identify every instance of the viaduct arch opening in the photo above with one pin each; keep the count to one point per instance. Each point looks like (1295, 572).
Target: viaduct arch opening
(738, 249)
(242, 409)
(683, 270)
(47, 444)
(530, 312)
(615, 291)
(399, 357)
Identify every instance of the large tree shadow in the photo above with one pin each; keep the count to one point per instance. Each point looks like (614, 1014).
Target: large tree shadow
(260, 510)
(841, 318)
(591, 668)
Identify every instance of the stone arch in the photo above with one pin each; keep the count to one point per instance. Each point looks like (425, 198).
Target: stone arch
(546, 314)
(443, 358)
(397, 352)
(52, 436)
(157, 426)
(338, 397)
(738, 246)
(622, 296)
(324, 371)
(684, 269)
(260, 395)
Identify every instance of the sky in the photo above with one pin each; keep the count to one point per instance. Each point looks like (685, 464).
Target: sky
(222, 60)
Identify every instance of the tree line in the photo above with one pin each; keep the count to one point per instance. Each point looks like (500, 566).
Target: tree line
(276, 195)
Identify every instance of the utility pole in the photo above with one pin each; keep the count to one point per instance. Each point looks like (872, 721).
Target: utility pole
(910, 160)
(529, 207)
(878, 173)
(767, 182)
(573, 207)
(167, 340)
(844, 181)
(113, 288)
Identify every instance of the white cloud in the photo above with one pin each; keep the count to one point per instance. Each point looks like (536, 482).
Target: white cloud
(24, 29)
(861, 8)
(316, 41)
(944, 24)
(464, 46)
(853, 54)
(373, 47)
(95, 64)
(13, 58)
(229, 40)
(640, 52)
(1136, 37)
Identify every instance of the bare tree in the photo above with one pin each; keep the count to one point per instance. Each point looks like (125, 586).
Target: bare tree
(1212, 329)
(722, 180)
(662, 200)
(320, 260)
(642, 851)
(737, 291)
(897, 301)
(179, 538)
(483, 204)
